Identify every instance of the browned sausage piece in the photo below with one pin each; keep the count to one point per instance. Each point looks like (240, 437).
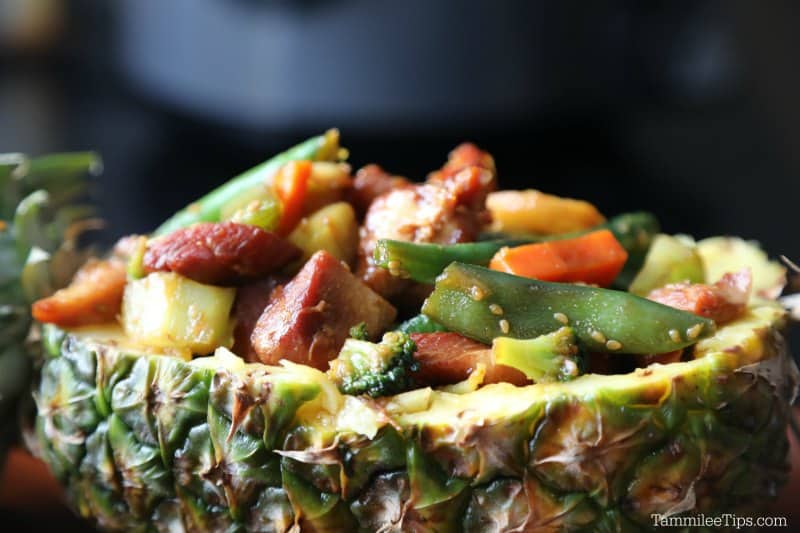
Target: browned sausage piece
(93, 297)
(308, 320)
(251, 300)
(446, 358)
(224, 253)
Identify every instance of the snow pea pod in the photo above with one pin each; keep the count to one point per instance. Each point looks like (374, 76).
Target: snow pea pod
(207, 209)
(424, 261)
(484, 304)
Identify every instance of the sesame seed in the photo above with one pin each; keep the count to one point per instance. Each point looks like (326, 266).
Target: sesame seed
(394, 268)
(504, 326)
(495, 309)
(561, 317)
(694, 331)
(613, 345)
(570, 368)
(599, 337)
(477, 293)
(675, 335)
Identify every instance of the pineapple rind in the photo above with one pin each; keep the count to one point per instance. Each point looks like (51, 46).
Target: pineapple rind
(151, 442)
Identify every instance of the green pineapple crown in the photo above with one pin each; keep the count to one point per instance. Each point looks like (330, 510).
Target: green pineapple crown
(40, 222)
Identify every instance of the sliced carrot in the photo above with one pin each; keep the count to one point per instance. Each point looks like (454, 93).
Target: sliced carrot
(291, 186)
(596, 258)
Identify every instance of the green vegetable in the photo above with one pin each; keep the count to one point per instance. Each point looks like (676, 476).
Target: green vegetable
(207, 209)
(550, 357)
(670, 260)
(424, 261)
(635, 232)
(523, 308)
(264, 213)
(359, 332)
(376, 369)
(135, 266)
(420, 324)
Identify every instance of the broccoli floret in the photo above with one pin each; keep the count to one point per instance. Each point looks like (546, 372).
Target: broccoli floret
(551, 357)
(420, 324)
(359, 332)
(376, 369)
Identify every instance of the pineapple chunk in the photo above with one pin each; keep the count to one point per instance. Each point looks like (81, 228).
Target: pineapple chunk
(730, 254)
(327, 184)
(333, 228)
(169, 311)
(671, 259)
(531, 211)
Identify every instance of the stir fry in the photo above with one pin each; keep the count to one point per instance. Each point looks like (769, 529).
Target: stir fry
(390, 284)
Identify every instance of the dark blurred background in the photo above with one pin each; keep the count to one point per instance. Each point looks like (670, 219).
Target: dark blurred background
(687, 109)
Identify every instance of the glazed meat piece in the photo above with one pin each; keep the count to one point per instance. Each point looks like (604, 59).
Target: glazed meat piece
(308, 319)
(222, 253)
(722, 302)
(93, 297)
(251, 300)
(445, 211)
(446, 358)
(371, 182)
(464, 155)
(448, 208)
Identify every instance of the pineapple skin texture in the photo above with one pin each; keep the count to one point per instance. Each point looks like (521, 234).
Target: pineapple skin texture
(147, 442)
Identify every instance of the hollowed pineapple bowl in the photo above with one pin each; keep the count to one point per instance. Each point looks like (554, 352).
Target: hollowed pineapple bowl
(546, 403)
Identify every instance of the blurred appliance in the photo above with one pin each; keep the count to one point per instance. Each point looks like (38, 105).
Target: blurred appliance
(368, 64)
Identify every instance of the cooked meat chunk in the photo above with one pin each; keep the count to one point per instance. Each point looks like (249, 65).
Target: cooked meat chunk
(308, 319)
(722, 302)
(251, 300)
(445, 211)
(646, 360)
(464, 155)
(93, 297)
(222, 253)
(446, 358)
(371, 182)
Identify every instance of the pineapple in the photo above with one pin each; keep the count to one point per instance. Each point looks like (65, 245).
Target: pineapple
(144, 441)
(145, 437)
(39, 225)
